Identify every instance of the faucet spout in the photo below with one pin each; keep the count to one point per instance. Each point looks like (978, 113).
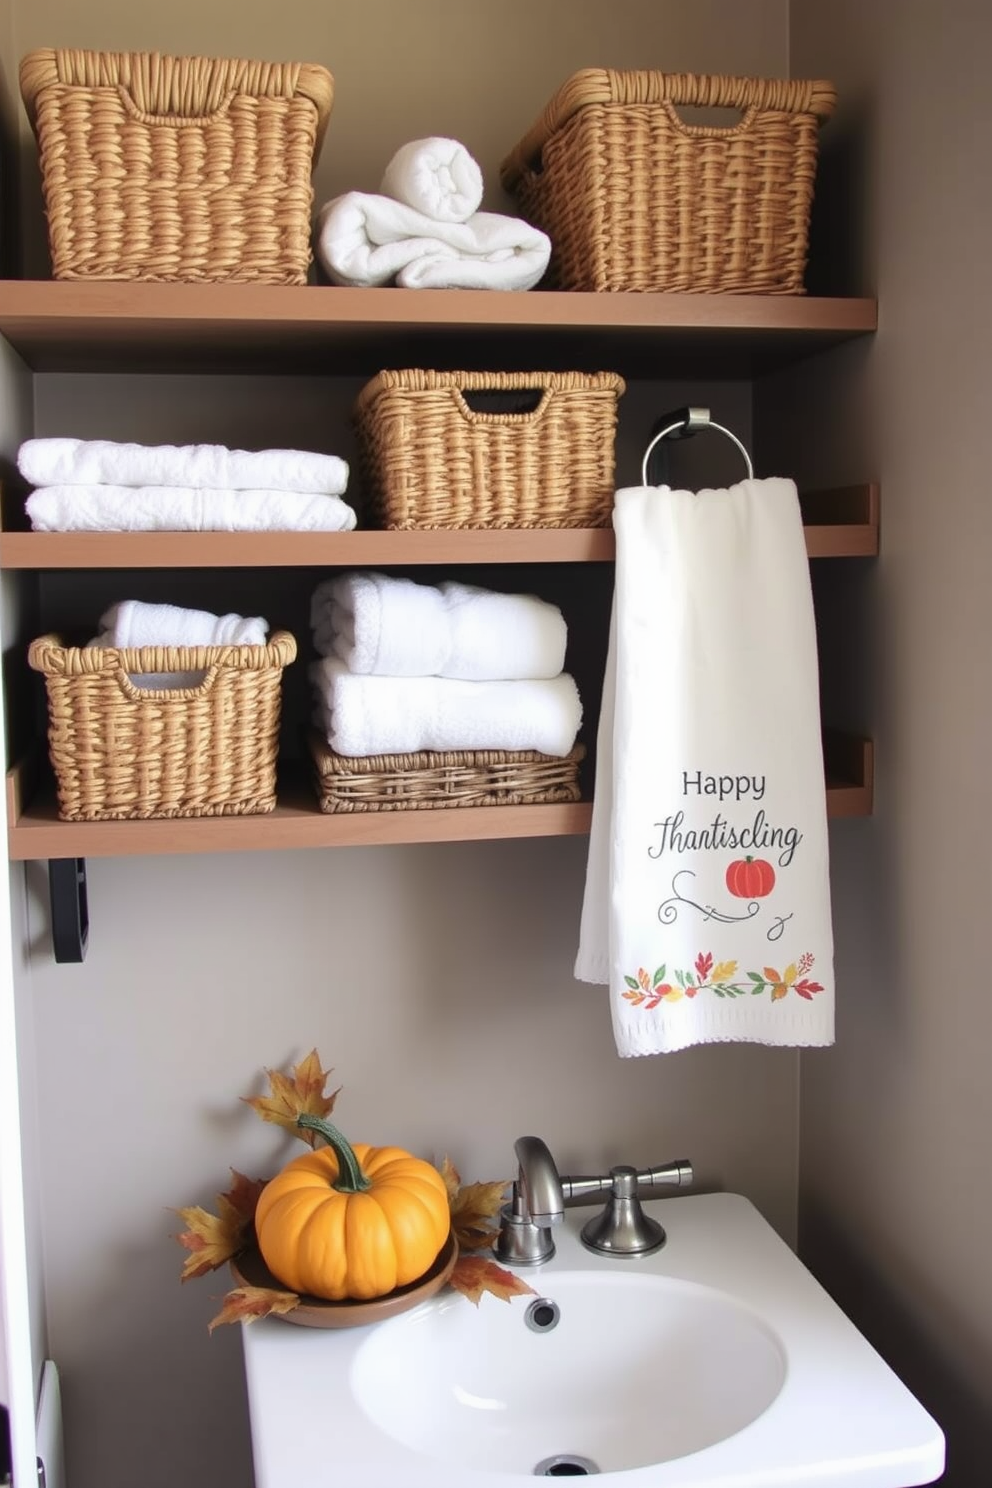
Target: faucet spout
(540, 1185)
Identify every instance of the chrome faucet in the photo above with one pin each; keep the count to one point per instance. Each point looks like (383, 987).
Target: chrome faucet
(538, 1204)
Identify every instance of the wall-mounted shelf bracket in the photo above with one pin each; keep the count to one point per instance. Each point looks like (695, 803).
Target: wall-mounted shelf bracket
(70, 911)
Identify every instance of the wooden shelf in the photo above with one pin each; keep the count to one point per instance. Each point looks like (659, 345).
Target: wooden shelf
(35, 831)
(844, 525)
(120, 327)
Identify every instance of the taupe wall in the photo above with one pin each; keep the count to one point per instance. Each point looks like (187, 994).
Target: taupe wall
(436, 979)
(895, 1193)
(463, 68)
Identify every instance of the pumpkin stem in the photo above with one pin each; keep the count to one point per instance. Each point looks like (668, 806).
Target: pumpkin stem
(350, 1177)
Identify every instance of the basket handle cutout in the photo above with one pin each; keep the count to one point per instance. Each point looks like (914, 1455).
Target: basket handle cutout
(174, 121)
(203, 683)
(502, 405)
(703, 122)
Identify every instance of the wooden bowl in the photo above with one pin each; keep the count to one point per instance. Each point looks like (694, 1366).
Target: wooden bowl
(249, 1269)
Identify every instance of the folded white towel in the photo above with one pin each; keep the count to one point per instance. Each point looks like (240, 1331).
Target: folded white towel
(437, 177)
(394, 627)
(93, 462)
(132, 623)
(183, 509)
(707, 903)
(397, 715)
(365, 240)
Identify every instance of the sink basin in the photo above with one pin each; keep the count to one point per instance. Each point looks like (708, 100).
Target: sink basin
(614, 1371)
(717, 1362)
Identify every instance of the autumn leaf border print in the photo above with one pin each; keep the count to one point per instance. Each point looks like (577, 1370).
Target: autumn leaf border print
(649, 990)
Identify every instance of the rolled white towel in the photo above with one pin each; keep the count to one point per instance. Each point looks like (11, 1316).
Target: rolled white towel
(437, 177)
(399, 715)
(366, 240)
(183, 509)
(92, 462)
(134, 623)
(384, 626)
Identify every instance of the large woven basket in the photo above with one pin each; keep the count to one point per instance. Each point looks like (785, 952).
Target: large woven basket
(431, 779)
(431, 460)
(123, 752)
(635, 199)
(176, 168)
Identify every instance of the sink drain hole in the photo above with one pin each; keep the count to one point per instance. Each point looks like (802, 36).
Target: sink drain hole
(565, 1465)
(542, 1315)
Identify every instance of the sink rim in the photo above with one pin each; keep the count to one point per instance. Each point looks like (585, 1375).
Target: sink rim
(817, 1431)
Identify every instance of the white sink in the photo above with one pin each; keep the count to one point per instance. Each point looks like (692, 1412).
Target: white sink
(717, 1362)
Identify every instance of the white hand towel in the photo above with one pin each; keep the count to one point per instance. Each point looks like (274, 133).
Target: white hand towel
(707, 903)
(387, 626)
(96, 462)
(366, 240)
(134, 623)
(398, 715)
(183, 509)
(437, 177)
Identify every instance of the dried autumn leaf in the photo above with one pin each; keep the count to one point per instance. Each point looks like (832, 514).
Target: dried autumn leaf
(292, 1096)
(473, 1209)
(474, 1275)
(213, 1239)
(247, 1303)
(452, 1177)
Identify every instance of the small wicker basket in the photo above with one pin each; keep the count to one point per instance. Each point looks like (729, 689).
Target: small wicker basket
(125, 752)
(633, 198)
(430, 460)
(176, 168)
(431, 780)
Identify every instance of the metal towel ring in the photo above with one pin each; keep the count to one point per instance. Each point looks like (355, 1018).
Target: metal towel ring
(688, 421)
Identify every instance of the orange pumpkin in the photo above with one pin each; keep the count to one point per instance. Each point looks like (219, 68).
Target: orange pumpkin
(750, 878)
(351, 1222)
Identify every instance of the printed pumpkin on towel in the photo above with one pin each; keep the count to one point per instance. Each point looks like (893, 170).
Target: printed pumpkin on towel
(707, 903)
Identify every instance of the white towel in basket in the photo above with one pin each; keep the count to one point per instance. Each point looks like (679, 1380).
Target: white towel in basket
(401, 715)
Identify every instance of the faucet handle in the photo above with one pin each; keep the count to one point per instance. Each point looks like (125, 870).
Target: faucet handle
(623, 1229)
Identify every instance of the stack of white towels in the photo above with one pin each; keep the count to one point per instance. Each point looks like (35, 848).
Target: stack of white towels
(133, 624)
(407, 667)
(424, 229)
(100, 486)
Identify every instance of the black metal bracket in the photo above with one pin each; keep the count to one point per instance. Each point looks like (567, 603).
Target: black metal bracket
(70, 911)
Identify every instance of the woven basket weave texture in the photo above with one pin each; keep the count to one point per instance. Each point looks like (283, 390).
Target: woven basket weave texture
(432, 779)
(176, 168)
(124, 752)
(634, 198)
(429, 460)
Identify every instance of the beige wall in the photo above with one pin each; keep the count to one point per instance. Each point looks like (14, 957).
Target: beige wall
(436, 979)
(895, 1195)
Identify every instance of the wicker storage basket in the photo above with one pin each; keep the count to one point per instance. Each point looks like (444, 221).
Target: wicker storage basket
(124, 752)
(429, 460)
(635, 199)
(428, 780)
(176, 168)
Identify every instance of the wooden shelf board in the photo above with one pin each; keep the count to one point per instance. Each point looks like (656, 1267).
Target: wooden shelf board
(92, 326)
(49, 550)
(35, 831)
(855, 538)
